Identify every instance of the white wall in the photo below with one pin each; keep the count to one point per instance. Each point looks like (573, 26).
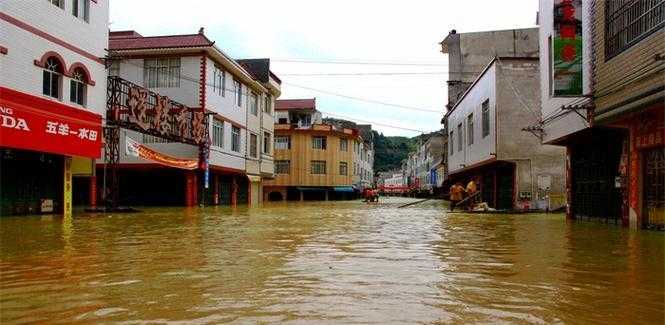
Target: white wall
(17, 68)
(571, 122)
(482, 148)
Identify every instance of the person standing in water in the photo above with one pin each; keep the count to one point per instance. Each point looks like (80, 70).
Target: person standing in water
(471, 189)
(456, 193)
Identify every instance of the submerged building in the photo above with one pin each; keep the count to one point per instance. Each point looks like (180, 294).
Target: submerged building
(52, 99)
(237, 98)
(313, 160)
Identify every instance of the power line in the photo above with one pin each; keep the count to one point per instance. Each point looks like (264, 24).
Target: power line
(358, 62)
(371, 122)
(364, 74)
(363, 99)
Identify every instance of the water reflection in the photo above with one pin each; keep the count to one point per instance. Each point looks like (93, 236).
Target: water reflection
(343, 262)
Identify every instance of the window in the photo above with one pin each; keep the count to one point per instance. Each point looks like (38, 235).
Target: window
(235, 139)
(282, 167)
(218, 133)
(459, 137)
(266, 143)
(81, 9)
(114, 68)
(343, 168)
(77, 87)
(219, 81)
(267, 105)
(486, 118)
(451, 144)
(237, 88)
(629, 21)
(58, 3)
(283, 142)
(319, 143)
(254, 104)
(343, 145)
(51, 78)
(469, 130)
(161, 73)
(318, 167)
(282, 120)
(253, 145)
(147, 138)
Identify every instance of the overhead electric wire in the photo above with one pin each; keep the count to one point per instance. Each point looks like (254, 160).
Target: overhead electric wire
(363, 99)
(370, 122)
(358, 62)
(374, 73)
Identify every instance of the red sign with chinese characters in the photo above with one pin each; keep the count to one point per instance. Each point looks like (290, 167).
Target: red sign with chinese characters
(33, 123)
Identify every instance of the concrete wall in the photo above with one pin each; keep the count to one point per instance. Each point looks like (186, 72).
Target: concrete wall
(518, 98)
(482, 148)
(571, 122)
(17, 68)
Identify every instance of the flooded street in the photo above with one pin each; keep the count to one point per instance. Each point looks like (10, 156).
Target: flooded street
(337, 262)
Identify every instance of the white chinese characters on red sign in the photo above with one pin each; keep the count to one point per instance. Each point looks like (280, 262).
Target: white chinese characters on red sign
(62, 129)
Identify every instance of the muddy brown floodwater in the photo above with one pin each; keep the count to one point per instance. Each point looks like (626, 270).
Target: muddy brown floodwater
(341, 262)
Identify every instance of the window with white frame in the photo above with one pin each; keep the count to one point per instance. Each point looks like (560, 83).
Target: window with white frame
(51, 78)
(343, 145)
(237, 88)
(318, 167)
(319, 142)
(58, 3)
(254, 104)
(218, 133)
(77, 87)
(343, 168)
(253, 145)
(235, 139)
(459, 137)
(282, 167)
(219, 81)
(267, 105)
(469, 129)
(266, 143)
(161, 73)
(486, 118)
(81, 9)
(282, 142)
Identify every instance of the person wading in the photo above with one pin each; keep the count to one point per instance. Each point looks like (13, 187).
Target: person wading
(471, 189)
(456, 192)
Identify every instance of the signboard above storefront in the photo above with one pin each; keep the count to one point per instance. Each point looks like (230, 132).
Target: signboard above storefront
(29, 122)
(567, 48)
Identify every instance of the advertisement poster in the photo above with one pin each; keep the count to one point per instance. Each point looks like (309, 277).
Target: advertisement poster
(136, 149)
(567, 48)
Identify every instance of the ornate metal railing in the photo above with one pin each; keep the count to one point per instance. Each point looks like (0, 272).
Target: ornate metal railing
(136, 108)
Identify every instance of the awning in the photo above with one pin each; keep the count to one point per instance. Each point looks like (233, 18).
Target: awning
(35, 123)
(347, 189)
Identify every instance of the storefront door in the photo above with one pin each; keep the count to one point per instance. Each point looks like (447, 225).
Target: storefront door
(654, 187)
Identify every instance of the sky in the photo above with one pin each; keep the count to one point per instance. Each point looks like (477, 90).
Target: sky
(387, 37)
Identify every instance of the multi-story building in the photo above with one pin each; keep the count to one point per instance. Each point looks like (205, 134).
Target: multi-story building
(313, 160)
(424, 168)
(486, 140)
(238, 98)
(611, 120)
(363, 151)
(52, 98)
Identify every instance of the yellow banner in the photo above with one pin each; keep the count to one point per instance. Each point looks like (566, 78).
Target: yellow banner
(67, 195)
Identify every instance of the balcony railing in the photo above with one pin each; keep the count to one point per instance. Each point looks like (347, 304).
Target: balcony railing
(136, 108)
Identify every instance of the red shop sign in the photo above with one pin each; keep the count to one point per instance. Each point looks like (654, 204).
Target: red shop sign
(33, 123)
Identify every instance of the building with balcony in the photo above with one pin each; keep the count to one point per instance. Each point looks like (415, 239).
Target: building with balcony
(612, 126)
(313, 160)
(52, 97)
(237, 97)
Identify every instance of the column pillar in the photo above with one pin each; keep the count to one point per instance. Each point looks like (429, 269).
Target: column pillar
(569, 185)
(327, 193)
(215, 189)
(234, 192)
(67, 188)
(190, 188)
(302, 196)
(93, 191)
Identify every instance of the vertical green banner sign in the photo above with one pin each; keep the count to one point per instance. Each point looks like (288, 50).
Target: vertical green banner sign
(567, 48)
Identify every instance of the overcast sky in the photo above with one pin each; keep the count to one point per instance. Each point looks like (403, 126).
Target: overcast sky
(340, 30)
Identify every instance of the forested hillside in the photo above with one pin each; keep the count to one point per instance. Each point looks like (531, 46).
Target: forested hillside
(390, 151)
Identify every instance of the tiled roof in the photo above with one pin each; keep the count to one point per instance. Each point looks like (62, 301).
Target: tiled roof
(286, 104)
(123, 41)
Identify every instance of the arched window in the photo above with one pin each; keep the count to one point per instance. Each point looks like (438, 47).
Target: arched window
(52, 75)
(77, 87)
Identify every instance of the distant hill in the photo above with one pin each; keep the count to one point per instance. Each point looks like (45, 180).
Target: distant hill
(390, 151)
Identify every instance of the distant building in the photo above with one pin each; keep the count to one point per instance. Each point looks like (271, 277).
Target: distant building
(313, 160)
(427, 164)
(363, 163)
(52, 100)
(613, 127)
